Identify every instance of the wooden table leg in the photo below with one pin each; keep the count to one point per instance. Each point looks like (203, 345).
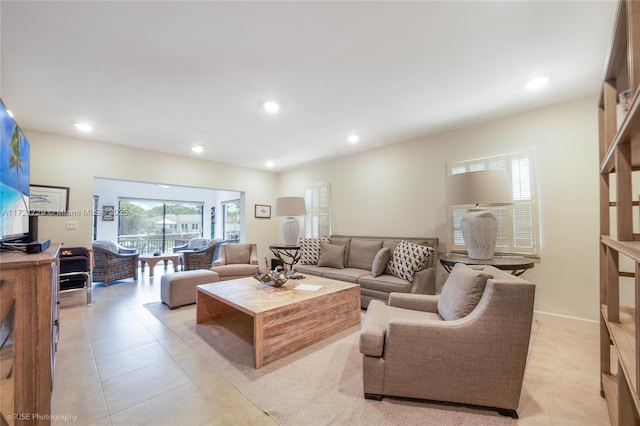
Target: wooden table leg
(258, 340)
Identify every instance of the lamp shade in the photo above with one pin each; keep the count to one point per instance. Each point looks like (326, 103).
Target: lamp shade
(479, 227)
(483, 188)
(290, 206)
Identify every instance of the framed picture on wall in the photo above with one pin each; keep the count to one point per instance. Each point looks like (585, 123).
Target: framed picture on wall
(108, 213)
(263, 211)
(48, 200)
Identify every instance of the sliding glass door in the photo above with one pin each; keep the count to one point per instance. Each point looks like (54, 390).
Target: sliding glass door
(156, 226)
(231, 220)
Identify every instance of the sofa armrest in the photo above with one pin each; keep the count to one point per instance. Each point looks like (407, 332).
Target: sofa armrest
(415, 302)
(254, 255)
(424, 282)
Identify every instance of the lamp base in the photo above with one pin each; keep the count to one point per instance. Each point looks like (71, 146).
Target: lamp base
(479, 230)
(290, 231)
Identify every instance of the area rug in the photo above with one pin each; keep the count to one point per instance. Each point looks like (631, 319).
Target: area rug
(319, 385)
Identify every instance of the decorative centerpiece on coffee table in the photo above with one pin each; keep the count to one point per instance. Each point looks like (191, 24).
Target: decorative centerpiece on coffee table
(275, 278)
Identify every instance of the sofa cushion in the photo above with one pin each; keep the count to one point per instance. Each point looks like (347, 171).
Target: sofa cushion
(311, 269)
(238, 253)
(461, 292)
(407, 259)
(310, 250)
(387, 283)
(331, 255)
(351, 275)
(380, 261)
(362, 253)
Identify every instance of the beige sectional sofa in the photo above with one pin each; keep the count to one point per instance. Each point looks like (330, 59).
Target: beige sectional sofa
(363, 262)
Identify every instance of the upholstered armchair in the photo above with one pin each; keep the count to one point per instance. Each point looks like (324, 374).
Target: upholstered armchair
(194, 244)
(201, 259)
(113, 262)
(236, 260)
(468, 345)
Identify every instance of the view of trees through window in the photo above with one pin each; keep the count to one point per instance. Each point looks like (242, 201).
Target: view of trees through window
(231, 220)
(158, 226)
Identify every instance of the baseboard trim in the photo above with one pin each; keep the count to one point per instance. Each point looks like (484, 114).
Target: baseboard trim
(574, 323)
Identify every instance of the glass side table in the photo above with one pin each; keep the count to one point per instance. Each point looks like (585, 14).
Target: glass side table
(288, 255)
(516, 264)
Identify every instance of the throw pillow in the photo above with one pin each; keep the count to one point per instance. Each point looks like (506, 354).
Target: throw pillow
(310, 250)
(238, 253)
(407, 259)
(380, 261)
(332, 256)
(461, 292)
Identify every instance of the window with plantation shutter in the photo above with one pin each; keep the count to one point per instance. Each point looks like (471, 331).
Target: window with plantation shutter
(317, 222)
(517, 223)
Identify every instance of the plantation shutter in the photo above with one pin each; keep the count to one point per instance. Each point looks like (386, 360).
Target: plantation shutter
(317, 222)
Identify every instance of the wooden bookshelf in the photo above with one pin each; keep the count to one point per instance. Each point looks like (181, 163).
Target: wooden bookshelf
(619, 147)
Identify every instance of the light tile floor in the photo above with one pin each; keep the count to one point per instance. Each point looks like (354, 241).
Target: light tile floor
(118, 365)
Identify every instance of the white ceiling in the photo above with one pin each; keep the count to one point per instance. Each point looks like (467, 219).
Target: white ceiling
(168, 75)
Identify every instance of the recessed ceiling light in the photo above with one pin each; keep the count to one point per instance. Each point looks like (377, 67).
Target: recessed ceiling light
(353, 138)
(269, 164)
(271, 107)
(198, 149)
(537, 83)
(83, 127)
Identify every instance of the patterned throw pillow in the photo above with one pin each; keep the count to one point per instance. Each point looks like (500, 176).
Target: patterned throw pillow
(407, 259)
(310, 250)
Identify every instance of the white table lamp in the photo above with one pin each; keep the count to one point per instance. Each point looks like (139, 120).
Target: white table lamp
(290, 207)
(480, 188)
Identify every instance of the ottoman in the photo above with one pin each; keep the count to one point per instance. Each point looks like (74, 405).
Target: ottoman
(179, 288)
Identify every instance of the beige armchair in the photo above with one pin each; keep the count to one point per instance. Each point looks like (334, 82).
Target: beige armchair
(468, 345)
(236, 260)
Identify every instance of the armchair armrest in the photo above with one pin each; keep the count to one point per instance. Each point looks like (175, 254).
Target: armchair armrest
(222, 256)
(123, 250)
(415, 302)
(177, 249)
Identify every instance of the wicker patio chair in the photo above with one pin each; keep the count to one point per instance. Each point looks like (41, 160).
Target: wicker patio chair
(201, 259)
(113, 262)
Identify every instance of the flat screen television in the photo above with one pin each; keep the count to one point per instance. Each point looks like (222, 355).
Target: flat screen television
(14, 179)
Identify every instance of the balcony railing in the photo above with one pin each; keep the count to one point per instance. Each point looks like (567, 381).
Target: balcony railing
(153, 243)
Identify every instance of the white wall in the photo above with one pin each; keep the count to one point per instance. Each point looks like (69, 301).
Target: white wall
(400, 191)
(63, 161)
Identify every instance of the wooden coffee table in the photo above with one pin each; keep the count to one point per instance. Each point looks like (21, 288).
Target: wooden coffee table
(285, 319)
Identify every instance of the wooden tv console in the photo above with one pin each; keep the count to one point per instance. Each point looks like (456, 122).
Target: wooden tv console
(29, 318)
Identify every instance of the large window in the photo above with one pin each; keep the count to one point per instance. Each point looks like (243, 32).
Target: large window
(317, 222)
(156, 225)
(518, 228)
